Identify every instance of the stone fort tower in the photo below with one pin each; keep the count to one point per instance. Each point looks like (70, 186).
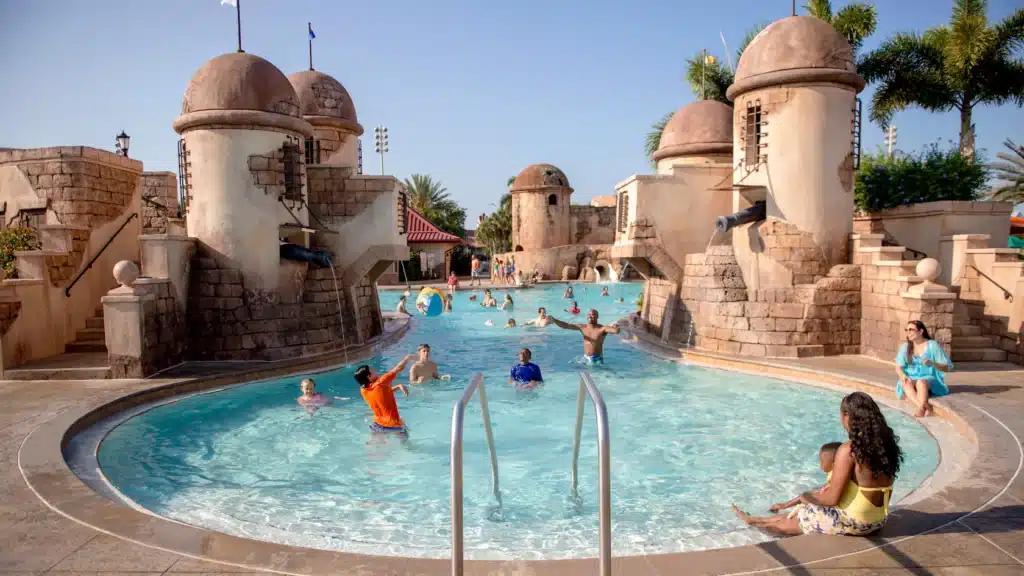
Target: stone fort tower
(540, 208)
(327, 105)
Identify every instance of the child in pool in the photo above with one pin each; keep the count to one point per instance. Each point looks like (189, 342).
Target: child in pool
(311, 399)
(826, 459)
(604, 291)
(574, 310)
(511, 323)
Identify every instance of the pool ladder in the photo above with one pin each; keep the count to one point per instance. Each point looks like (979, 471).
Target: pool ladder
(587, 389)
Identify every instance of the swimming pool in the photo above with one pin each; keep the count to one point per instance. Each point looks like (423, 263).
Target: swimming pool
(685, 443)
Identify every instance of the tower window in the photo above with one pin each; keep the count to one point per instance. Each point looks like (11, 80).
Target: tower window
(552, 200)
(184, 182)
(312, 151)
(754, 144)
(856, 133)
(292, 160)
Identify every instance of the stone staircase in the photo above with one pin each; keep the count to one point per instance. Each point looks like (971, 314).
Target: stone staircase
(83, 359)
(91, 338)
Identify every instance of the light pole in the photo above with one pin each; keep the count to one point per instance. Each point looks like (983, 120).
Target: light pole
(122, 143)
(381, 140)
(890, 138)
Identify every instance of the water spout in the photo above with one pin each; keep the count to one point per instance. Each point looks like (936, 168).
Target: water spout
(341, 315)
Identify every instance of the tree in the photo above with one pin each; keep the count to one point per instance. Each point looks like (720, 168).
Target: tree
(430, 198)
(956, 66)
(1011, 172)
(495, 231)
(511, 181)
(854, 21)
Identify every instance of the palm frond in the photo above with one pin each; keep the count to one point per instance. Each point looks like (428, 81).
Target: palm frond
(1011, 172)
(855, 22)
(908, 71)
(820, 9)
(970, 39)
(653, 138)
(717, 78)
(511, 180)
(1009, 34)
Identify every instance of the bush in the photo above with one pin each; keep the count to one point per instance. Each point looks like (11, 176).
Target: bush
(13, 240)
(929, 176)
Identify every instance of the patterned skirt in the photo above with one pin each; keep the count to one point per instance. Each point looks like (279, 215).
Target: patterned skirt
(833, 521)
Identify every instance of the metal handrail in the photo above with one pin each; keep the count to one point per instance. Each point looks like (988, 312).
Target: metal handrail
(458, 417)
(603, 465)
(1007, 295)
(67, 291)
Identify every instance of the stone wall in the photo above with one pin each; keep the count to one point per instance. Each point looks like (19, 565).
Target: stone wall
(268, 171)
(226, 321)
(592, 224)
(551, 261)
(159, 201)
(792, 251)
(74, 243)
(10, 308)
(163, 343)
(886, 309)
(334, 196)
(84, 186)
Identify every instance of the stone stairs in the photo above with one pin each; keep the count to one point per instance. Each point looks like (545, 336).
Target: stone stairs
(91, 338)
(83, 359)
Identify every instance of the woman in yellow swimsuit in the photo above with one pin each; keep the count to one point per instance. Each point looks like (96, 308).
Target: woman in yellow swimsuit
(856, 500)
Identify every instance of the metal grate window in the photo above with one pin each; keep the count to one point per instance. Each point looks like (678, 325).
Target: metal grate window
(403, 205)
(184, 181)
(856, 128)
(754, 135)
(312, 151)
(292, 159)
(359, 148)
(623, 211)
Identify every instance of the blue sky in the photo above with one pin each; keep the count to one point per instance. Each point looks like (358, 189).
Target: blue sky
(471, 92)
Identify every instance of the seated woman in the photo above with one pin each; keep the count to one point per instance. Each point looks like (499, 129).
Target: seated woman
(920, 365)
(855, 502)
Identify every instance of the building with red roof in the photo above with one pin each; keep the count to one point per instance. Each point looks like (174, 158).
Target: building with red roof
(435, 247)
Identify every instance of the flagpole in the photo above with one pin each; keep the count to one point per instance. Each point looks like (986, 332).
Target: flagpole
(309, 26)
(238, 18)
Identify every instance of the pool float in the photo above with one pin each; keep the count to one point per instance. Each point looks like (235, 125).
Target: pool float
(430, 302)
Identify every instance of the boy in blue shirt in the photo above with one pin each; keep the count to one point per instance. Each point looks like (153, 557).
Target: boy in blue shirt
(526, 374)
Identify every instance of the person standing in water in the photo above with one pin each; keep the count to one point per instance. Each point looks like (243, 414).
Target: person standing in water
(401, 306)
(593, 335)
(526, 374)
(541, 320)
(379, 394)
(424, 368)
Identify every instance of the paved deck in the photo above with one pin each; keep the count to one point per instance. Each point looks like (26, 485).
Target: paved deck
(34, 539)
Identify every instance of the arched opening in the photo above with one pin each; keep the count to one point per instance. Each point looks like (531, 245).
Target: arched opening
(605, 272)
(552, 200)
(519, 248)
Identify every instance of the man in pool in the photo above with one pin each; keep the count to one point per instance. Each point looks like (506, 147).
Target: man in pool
(379, 394)
(541, 320)
(424, 368)
(593, 335)
(526, 374)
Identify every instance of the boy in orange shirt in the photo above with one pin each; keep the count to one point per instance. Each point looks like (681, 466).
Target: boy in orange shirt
(379, 394)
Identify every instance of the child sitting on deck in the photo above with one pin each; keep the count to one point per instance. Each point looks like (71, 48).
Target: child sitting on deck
(826, 459)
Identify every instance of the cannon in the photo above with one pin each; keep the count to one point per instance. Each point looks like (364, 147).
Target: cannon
(320, 258)
(755, 213)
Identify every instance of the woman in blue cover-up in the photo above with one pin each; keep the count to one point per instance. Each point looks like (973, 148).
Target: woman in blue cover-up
(921, 365)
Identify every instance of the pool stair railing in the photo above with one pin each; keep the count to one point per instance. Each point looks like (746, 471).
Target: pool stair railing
(587, 389)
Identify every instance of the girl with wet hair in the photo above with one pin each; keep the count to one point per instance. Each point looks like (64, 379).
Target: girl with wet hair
(855, 502)
(921, 365)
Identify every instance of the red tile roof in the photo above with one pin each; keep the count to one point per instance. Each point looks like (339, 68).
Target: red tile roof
(419, 229)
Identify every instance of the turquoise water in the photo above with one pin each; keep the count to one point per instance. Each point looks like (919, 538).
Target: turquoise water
(685, 443)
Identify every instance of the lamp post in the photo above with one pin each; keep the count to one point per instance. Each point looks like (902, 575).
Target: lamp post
(122, 143)
(890, 138)
(381, 140)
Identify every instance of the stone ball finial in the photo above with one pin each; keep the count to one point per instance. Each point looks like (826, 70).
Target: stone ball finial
(126, 272)
(928, 269)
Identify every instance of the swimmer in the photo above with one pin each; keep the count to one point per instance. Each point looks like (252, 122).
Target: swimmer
(526, 374)
(604, 291)
(401, 306)
(472, 297)
(621, 300)
(311, 399)
(489, 323)
(541, 320)
(574, 310)
(593, 335)
(568, 292)
(379, 394)
(511, 323)
(424, 368)
(488, 301)
(447, 303)
(508, 304)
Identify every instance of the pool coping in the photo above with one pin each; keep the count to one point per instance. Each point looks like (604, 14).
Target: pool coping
(44, 468)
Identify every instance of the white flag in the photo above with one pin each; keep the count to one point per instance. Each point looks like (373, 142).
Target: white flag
(232, 3)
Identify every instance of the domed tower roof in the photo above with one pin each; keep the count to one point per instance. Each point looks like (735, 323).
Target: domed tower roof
(702, 127)
(240, 88)
(323, 100)
(540, 176)
(796, 49)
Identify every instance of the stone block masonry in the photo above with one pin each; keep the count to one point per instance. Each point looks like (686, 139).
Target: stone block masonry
(85, 186)
(885, 311)
(163, 343)
(159, 201)
(268, 171)
(793, 249)
(9, 311)
(592, 224)
(337, 195)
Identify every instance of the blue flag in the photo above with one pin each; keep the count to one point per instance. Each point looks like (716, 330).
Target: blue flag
(311, 35)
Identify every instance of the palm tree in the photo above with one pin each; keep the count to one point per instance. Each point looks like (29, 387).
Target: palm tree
(1011, 172)
(854, 21)
(956, 66)
(430, 198)
(495, 231)
(511, 180)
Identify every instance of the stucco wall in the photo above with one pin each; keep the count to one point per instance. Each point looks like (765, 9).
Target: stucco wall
(551, 261)
(234, 209)
(809, 170)
(592, 224)
(666, 165)
(536, 224)
(337, 148)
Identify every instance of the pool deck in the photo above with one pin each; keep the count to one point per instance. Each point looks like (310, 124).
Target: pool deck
(975, 525)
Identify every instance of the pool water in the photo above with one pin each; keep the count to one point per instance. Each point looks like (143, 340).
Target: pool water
(686, 442)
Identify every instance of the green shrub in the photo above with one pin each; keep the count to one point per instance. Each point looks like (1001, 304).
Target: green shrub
(929, 176)
(13, 240)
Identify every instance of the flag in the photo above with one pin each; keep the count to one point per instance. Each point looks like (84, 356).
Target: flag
(232, 3)
(311, 35)
(709, 59)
